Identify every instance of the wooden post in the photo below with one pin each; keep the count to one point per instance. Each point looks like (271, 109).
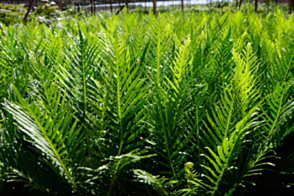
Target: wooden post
(154, 7)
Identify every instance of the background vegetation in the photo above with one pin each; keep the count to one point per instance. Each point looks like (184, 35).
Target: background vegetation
(182, 104)
(46, 12)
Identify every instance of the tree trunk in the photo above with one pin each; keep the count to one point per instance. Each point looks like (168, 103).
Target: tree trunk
(256, 4)
(92, 9)
(240, 4)
(290, 6)
(111, 6)
(119, 4)
(154, 7)
(182, 5)
(120, 9)
(29, 9)
(94, 6)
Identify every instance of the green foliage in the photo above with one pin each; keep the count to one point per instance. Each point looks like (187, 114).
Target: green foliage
(179, 104)
(46, 12)
(10, 13)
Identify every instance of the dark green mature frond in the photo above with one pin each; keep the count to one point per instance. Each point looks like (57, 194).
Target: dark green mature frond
(77, 69)
(52, 132)
(279, 109)
(169, 122)
(222, 151)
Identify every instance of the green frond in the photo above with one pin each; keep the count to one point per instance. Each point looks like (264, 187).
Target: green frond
(280, 107)
(220, 157)
(245, 82)
(120, 162)
(59, 139)
(160, 184)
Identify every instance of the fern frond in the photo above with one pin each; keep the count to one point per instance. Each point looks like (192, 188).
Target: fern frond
(222, 156)
(58, 138)
(245, 82)
(280, 107)
(160, 184)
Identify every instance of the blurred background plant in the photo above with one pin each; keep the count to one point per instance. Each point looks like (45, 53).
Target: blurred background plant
(222, 7)
(49, 12)
(46, 12)
(10, 13)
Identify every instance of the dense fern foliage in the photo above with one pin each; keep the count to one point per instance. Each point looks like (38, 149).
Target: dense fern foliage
(179, 104)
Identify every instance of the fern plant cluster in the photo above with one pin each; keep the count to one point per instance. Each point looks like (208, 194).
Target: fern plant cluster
(179, 104)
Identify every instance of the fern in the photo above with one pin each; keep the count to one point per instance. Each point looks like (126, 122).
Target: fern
(49, 133)
(182, 103)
